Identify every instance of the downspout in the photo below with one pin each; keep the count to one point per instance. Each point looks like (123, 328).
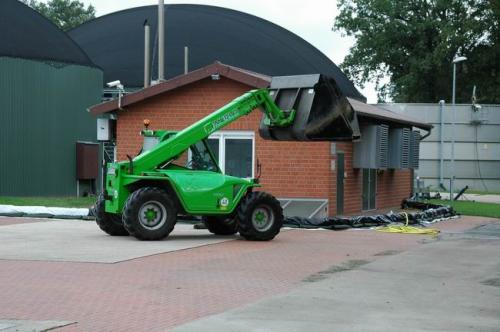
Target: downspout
(441, 144)
(412, 184)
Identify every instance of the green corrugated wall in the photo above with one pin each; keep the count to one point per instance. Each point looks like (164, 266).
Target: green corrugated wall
(43, 112)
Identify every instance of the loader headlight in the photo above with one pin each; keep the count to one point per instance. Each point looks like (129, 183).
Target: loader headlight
(112, 170)
(115, 194)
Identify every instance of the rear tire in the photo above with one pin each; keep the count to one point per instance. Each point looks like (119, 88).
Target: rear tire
(259, 216)
(110, 223)
(149, 214)
(221, 225)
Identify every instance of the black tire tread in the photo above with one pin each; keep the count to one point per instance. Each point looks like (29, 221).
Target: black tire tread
(129, 212)
(243, 216)
(109, 223)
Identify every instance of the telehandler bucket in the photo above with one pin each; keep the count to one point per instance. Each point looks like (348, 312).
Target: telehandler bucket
(323, 113)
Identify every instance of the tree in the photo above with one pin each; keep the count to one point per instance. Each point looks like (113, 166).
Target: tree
(66, 14)
(413, 43)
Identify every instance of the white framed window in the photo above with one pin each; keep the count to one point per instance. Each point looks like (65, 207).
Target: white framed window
(235, 152)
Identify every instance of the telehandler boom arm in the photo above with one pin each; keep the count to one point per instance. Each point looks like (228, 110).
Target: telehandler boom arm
(179, 142)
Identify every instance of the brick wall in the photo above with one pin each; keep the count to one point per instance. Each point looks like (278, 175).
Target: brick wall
(289, 169)
(392, 185)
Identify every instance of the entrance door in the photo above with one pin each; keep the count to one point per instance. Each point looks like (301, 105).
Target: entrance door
(369, 188)
(340, 183)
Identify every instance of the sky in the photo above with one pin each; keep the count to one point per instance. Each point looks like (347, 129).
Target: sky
(312, 20)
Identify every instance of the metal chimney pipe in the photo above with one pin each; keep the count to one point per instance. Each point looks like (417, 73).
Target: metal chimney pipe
(161, 40)
(147, 54)
(186, 59)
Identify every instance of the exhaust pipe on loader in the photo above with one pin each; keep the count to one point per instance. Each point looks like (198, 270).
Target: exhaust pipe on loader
(323, 112)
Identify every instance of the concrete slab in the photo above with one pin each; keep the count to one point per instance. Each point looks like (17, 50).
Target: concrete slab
(31, 325)
(83, 241)
(448, 285)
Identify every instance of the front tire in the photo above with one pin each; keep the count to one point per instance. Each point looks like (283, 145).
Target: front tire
(259, 216)
(149, 214)
(221, 225)
(109, 223)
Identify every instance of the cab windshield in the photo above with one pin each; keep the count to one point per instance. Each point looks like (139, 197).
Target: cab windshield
(201, 158)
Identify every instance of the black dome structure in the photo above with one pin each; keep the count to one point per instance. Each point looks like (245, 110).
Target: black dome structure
(27, 34)
(115, 42)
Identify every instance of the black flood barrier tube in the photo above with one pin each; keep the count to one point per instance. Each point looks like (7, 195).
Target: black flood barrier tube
(323, 112)
(429, 213)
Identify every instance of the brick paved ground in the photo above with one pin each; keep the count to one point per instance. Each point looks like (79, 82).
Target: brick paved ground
(161, 291)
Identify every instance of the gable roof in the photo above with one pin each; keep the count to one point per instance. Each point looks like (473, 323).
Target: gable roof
(247, 77)
(374, 112)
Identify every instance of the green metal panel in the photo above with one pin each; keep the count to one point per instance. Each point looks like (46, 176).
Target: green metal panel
(43, 112)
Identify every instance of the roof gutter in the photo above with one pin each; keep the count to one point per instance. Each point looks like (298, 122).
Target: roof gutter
(426, 135)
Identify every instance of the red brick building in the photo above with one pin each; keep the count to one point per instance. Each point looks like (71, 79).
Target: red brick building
(307, 171)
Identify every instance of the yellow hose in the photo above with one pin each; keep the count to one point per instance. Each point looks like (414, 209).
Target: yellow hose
(408, 229)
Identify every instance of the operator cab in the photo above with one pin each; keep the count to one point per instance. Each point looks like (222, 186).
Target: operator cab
(201, 158)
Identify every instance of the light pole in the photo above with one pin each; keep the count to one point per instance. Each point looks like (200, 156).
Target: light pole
(452, 166)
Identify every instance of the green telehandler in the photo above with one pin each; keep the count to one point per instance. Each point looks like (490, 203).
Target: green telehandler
(144, 196)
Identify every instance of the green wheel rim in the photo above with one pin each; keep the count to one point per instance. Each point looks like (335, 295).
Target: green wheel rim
(152, 215)
(262, 218)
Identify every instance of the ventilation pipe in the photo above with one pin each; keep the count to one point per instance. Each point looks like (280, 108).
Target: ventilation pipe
(186, 59)
(161, 40)
(147, 55)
